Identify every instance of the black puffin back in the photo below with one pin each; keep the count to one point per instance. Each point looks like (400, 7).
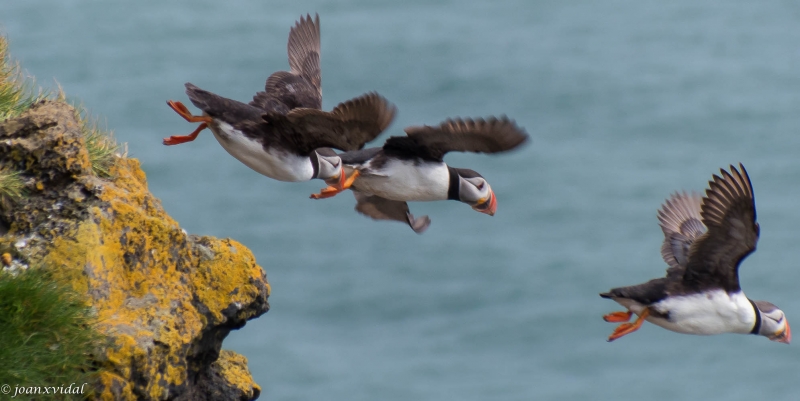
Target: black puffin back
(646, 294)
(218, 107)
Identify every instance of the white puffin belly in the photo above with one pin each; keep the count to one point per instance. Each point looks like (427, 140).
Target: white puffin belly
(712, 312)
(274, 163)
(402, 180)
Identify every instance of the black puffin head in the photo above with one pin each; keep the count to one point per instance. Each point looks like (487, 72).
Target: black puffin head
(471, 188)
(773, 323)
(327, 166)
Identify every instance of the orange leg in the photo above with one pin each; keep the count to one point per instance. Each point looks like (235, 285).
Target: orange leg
(184, 112)
(333, 190)
(618, 317)
(627, 328)
(178, 139)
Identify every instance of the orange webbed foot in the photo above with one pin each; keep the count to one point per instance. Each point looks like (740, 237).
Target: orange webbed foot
(627, 328)
(349, 182)
(333, 190)
(179, 139)
(187, 115)
(328, 192)
(618, 317)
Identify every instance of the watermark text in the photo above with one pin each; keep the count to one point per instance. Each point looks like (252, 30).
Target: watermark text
(21, 390)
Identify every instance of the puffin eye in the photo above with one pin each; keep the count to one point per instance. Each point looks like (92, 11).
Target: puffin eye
(481, 185)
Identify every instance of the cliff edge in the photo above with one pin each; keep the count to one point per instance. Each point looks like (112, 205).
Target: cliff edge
(165, 299)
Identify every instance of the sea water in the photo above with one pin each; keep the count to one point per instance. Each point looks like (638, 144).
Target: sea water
(625, 102)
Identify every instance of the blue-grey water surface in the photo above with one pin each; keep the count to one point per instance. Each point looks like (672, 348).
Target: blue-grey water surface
(625, 101)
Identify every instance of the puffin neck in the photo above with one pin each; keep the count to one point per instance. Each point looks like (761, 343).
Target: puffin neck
(757, 325)
(452, 190)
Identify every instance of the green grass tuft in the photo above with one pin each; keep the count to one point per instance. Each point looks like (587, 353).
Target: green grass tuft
(17, 93)
(46, 333)
(100, 144)
(12, 188)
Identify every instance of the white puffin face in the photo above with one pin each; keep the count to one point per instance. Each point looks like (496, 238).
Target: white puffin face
(774, 324)
(476, 192)
(329, 168)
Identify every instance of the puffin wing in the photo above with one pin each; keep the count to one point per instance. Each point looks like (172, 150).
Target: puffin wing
(348, 127)
(729, 212)
(379, 208)
(491, 135)
(680, 220)
(304, 52)
(302, 86)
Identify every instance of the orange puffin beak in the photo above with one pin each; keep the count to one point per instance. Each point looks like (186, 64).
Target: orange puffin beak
(342, 179)
(784, 336)
(488, 206)
(338, 181)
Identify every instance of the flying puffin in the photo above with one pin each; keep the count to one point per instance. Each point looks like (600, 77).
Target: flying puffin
(282, 133)
(412, 168)
(705, 240)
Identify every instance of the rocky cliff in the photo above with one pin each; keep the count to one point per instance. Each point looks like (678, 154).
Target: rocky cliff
(165, 299)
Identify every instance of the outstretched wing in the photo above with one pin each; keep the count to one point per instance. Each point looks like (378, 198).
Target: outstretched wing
(491, 135)
(302, 86)
(729, 212)
(349, 126)
(679, 218)
(304, 51)
(379, 208)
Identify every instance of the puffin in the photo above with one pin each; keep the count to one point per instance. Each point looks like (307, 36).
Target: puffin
(283, 133)
(412, 168)
(705, 240)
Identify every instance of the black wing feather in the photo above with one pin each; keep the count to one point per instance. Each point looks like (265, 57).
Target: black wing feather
(729, 212)
(348, 127)
(379, 208)
(491, 135)
(302, 86)
(680, 220)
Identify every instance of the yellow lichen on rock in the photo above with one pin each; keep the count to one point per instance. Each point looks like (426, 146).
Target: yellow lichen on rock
(114, 387)
(165, 299)
(233, 368)
(217, 288)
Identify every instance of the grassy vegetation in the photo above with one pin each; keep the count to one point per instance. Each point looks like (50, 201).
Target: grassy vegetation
(18, 93)
(11, 185)
(46, 333)
(100, 144)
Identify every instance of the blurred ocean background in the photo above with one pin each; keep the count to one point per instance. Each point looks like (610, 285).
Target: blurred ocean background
(625, 102)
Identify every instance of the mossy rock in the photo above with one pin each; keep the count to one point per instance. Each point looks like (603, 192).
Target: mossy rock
(165, 299)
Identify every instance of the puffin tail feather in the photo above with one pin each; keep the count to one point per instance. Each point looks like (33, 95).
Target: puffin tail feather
(199, 97)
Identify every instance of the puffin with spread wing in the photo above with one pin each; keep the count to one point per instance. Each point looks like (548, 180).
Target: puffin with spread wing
(282, 133)
(412, 168)
(705, 240)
